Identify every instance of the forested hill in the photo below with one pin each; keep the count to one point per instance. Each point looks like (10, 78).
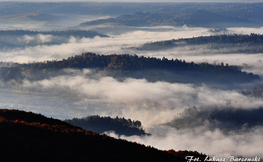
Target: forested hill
(65, 33)
(124, 65)
(193, 18)
(120, 126)
(190, 14)
(256, 92)
(246, 43)
(199, 18)
(12, 39)
(32, 137)
(227, 119)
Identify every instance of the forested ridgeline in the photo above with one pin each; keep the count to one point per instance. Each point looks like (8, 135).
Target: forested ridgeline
(24, 137)
(125, 65)
(12, 39)
(120, 126)
(200, 18)
(225, 118)
(190, 14)
(62, 33)
(256, 92)
(247, 43)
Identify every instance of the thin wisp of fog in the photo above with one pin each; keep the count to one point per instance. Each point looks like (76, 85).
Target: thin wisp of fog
(178, 115)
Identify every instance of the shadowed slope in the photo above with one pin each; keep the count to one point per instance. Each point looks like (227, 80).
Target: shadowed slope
(48, 139)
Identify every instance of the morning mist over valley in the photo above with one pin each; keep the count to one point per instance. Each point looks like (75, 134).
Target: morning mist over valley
(131, 81)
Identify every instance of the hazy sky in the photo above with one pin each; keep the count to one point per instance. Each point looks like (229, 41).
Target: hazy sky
(248, 1)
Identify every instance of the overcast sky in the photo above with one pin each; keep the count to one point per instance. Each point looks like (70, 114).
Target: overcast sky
(248, 1)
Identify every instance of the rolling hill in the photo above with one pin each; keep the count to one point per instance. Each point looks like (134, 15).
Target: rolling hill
(132, 66)
(193, 18)
(26, 136)
(234, 43)
(120, 126)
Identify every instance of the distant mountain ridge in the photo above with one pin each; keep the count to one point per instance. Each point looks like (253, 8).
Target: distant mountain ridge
(175, 14)
(195, 18)
(252, 43)
(251, 11)
(10, 39)
(61, 33)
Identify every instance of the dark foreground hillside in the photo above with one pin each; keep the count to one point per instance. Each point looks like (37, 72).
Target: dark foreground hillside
(31, 137)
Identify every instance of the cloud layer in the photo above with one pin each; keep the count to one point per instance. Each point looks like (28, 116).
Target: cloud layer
(84, 92)
(213, 143)
(79, 94)
(35, 50)
(151, 103)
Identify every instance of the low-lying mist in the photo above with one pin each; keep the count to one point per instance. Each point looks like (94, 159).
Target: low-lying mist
(79, 93)
(149, 102)
(44, 21)
(49, 47)
(213, 143)
(76, 46)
